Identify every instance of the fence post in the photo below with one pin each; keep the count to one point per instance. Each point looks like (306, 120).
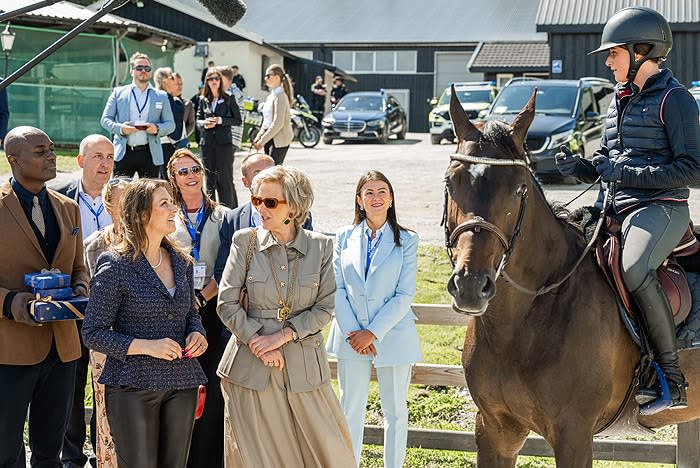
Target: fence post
(688, 446)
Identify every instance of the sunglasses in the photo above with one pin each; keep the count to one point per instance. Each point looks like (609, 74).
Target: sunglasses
(142, 68)
(183, 171)
(213, 78)
(119, 180)
(270, 203)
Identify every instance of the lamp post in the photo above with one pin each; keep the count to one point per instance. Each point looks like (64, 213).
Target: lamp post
(7, 37)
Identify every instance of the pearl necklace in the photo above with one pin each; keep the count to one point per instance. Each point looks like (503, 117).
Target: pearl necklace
(160, 260)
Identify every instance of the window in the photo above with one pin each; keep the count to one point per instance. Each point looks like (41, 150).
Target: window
(381, 61)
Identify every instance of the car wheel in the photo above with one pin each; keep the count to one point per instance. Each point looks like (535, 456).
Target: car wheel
(435, 139)
(328, 141)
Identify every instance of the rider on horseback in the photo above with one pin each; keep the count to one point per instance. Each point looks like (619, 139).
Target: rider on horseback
(649, 156)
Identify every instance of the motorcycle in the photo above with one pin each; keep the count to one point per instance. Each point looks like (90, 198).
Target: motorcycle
(305, 125)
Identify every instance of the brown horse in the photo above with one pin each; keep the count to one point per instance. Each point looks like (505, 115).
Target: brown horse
(545, 349)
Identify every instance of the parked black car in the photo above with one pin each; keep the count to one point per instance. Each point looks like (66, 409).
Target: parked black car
(373, 115)
(567, 112)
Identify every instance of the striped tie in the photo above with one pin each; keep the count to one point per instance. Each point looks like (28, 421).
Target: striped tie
(38, 216)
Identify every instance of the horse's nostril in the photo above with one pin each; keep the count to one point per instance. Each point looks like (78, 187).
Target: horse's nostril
(489, 289)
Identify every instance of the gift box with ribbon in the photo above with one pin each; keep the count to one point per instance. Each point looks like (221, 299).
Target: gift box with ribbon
(46, 309)
(55, 293)
(47, 279)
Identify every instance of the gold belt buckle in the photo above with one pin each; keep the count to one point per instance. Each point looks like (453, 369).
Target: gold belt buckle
(282, 313)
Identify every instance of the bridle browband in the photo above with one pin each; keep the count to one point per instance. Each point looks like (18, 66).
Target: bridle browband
(478, 223)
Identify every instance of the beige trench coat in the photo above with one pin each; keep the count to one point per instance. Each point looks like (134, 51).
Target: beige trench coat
(305, 360)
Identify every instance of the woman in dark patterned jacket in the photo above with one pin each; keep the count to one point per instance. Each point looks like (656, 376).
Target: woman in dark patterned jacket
(649, 156)
(142, 315)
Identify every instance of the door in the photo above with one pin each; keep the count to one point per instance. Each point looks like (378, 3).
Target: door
(404, 98)
(451, 67)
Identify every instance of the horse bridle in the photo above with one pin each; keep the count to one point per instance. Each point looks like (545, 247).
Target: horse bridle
(478, 223)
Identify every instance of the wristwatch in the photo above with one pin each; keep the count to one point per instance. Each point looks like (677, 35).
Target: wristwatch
(202, 301)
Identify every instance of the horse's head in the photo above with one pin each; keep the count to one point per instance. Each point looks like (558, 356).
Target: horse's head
(485, 196)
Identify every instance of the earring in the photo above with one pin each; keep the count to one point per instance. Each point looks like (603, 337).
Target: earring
(287, 221)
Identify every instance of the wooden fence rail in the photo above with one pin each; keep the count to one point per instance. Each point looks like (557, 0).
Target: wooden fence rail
(685, 453)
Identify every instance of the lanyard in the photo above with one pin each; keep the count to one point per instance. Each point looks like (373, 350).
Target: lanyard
(371, 250)
(140, 108)
(97, 213)
(196, 230)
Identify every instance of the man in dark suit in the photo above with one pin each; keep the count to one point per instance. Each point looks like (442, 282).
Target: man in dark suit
(40, 229)
(96, 161)
(245, 215)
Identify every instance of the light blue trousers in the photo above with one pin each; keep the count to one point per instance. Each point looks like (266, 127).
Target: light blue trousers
(354, 377)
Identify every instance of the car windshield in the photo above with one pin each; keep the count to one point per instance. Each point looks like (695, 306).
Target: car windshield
(466, 96)
(551, 100)
(360, 103)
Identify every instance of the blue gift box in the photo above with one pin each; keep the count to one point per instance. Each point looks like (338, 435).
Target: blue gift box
(47, 280)
(55, 293)
(51, 311)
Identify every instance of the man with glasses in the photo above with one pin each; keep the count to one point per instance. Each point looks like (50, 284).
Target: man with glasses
(138, 115)
(96, 161)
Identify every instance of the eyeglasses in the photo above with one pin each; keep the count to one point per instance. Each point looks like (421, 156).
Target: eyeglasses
(269, 75)
(213, 78)
(119, 180)
(142, 68)
(183, 171)
(270, 203)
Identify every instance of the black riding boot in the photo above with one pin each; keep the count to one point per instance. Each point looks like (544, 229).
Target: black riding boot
(657, 319)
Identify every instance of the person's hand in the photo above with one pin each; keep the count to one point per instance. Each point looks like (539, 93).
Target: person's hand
(127, 129)
(273, 359)
(195, 345)
(210, 122)
(165, 348)
(259, 345)
(152, 129)
(80, 290)
(20, 310)
(256, 144)
(566, 161)
(360, 339)
(370, 350)
(609, 171)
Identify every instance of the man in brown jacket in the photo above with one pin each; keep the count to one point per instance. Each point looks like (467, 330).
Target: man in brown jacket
(40, 229)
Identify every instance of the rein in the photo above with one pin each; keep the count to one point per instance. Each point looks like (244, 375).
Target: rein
(478, 223)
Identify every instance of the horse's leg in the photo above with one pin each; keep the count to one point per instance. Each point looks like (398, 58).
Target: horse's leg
(498, 444)
(573, 445)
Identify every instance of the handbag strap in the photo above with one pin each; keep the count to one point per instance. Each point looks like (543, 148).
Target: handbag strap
(251, 246)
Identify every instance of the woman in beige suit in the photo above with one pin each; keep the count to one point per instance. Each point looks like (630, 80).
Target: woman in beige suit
(276, 132)
(280, 407)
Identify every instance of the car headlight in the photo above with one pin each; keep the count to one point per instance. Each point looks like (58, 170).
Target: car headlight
(375, 123)
(435, 117)
(558, 139)
(328, 120)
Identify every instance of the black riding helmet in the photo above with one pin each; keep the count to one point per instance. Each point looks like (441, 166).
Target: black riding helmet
(637, 25)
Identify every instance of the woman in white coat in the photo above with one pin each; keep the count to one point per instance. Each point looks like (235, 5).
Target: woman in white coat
(375, 269)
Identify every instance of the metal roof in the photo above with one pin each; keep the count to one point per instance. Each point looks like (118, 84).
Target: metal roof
(388, 21)
(585, 12)
(515, 56)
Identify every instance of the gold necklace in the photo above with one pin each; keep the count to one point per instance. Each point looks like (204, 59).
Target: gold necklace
(285, 307)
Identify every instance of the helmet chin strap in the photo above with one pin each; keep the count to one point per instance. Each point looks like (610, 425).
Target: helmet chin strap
(634, 64)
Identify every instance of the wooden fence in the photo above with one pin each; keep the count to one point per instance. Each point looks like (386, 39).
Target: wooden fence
(685, 453)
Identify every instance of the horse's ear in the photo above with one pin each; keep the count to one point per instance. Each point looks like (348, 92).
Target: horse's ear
(463, 128)
(522, 121)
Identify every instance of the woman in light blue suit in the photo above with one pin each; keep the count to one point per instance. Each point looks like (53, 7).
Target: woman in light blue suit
(375, 269)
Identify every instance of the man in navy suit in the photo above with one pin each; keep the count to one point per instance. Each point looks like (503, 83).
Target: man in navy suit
(245, 215)
(138, 115)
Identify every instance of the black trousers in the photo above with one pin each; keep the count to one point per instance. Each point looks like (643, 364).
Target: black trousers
(46, 389)
(151, 429)
(75, 432)
(218, 162)
(137, 161)
(207, 449)
(278, 154)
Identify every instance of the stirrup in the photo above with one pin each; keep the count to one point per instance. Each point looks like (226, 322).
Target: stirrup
(664, 401)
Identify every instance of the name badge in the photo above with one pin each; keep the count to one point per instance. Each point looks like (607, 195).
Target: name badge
(159, 105)
(200, 272)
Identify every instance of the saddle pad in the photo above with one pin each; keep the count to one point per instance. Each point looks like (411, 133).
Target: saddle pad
(688, 333)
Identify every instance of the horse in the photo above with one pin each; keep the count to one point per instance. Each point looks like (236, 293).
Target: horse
(545, 349)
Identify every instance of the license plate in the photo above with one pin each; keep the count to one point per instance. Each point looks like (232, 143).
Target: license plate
(348, 134)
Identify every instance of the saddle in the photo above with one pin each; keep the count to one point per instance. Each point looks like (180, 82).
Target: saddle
(670, 274)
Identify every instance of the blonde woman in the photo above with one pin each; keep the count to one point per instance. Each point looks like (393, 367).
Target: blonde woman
(280, 407)
(276, 133)
(95, 244)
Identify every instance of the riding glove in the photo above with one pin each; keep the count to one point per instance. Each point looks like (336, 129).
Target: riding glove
(609, 170)
(566, 161)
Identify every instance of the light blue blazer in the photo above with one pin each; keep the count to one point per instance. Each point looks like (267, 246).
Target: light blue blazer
(117, 111)
(381, 303)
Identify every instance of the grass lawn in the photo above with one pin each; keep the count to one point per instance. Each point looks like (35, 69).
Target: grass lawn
(65, 161)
